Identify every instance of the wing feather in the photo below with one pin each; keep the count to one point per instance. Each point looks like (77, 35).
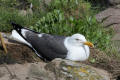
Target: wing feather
(47, 46)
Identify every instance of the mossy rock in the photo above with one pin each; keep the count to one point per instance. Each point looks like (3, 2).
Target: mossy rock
(69, 70)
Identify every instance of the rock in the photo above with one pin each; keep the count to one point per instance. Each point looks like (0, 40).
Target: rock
(58, 69)
(47, 2)
(110, 18)
(114, 2)
(69, 70)
(39, 72)
(101, 3)
(28, 71)
(24, 12)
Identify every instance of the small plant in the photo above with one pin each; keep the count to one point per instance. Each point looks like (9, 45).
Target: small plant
(10, 12)
(53, 23)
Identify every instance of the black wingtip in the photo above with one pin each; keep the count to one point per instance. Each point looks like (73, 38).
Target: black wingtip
(12, 23)
(16, 26)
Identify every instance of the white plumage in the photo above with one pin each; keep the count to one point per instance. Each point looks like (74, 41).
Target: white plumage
(77, 51)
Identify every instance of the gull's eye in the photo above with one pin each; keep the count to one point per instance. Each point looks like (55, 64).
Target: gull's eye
(77, 39)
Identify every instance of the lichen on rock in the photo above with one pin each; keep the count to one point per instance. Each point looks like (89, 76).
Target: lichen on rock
(69, 70)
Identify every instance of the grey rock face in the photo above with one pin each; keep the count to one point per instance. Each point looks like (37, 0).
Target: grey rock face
(69, 70)
(110, 18)
(58, 69)
(114, 2)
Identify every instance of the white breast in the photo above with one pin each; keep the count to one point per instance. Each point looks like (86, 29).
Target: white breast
(76, 53)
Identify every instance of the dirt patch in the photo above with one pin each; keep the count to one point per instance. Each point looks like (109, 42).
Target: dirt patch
(17, 53)
(110, 64)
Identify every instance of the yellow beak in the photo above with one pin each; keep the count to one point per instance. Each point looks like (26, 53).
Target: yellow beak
(89, 44)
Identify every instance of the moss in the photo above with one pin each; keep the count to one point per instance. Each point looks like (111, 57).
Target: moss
(82, 72)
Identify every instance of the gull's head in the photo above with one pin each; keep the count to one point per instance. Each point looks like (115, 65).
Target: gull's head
(79, 40)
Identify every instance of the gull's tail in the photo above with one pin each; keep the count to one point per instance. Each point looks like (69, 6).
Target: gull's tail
(18, 33)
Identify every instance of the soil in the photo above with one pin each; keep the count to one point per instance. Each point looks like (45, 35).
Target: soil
(111, 64)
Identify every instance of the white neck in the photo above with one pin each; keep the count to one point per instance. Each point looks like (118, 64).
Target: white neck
(76, 53)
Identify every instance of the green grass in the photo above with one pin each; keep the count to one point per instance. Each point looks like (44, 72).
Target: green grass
(9, 12)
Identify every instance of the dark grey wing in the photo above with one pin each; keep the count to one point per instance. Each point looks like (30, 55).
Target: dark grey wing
(48, 46)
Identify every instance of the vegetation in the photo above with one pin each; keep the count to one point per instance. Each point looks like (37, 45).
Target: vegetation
(61, 17)
(10, 11)
(64, 19)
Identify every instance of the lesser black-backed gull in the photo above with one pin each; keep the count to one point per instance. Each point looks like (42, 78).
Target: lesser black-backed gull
(48, 46)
